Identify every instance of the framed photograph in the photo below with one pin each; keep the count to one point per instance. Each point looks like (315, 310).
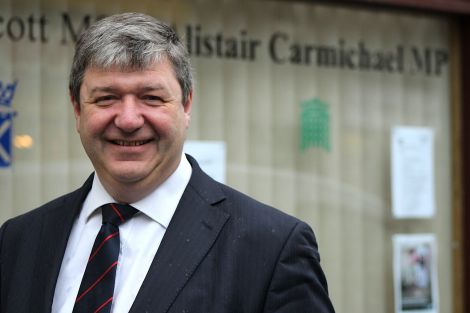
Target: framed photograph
(415, 273)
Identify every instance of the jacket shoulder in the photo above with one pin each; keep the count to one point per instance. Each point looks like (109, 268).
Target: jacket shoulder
(241, 203)
(67, 201)
(245, 212)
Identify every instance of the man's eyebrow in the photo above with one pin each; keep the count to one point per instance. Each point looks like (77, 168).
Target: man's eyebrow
(111, 89)
(152, 88)
(102, 89)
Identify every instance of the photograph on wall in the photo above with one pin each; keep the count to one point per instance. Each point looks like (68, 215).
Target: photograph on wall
(415, 273)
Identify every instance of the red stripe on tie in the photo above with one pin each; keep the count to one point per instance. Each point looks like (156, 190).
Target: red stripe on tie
(96, 282)
(103, 305)
(117, 212)
(102, 244)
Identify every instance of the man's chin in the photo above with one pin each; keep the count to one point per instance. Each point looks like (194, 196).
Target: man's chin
(127, 173)
(128, 177)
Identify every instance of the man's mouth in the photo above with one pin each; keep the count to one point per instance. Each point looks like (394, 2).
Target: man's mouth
(130, 143)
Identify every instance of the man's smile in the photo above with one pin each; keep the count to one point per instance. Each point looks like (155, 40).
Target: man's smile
(131, 143)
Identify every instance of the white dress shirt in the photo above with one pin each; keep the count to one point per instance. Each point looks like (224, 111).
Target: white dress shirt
(140, 238)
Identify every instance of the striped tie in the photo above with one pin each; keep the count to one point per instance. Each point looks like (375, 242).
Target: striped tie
(97, 287)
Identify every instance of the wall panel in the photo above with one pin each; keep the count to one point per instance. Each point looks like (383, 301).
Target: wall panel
(255, 105)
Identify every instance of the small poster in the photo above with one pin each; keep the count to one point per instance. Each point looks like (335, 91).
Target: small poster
(415, 273)
(210, 155)
(412, 172)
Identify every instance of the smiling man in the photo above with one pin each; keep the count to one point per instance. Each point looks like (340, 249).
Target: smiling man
(149, 231)
(132, 124)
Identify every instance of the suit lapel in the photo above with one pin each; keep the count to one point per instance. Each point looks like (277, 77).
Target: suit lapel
(191, 233)
(55, 231)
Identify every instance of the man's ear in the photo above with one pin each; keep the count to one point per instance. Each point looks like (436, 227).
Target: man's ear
(187, 107)
(76, 111)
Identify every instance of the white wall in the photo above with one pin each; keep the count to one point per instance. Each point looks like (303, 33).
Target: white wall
(254, 106)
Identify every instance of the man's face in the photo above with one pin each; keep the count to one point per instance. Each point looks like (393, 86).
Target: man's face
(132, 125)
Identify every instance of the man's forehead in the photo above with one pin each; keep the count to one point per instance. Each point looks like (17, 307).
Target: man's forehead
(156, 66)
(130, 67)
(159, 77)
(158, 74)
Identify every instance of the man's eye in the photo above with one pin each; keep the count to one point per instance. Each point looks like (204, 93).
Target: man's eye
(151, 98)
(104, 99)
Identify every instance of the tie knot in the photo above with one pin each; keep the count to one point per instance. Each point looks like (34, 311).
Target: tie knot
(116, 213)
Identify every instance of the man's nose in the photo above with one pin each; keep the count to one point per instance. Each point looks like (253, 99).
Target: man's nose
(129, 117)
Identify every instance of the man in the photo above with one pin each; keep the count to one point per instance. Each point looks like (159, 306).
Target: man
(194, 245)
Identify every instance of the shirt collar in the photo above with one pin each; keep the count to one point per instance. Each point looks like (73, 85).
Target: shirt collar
(159, 205)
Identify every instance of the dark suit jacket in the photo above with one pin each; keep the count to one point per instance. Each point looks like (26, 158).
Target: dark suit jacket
(223, 252)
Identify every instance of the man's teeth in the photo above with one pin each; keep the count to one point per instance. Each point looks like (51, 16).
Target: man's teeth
(130, 143)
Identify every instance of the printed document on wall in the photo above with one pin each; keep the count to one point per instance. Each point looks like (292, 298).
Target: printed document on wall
(412, 172)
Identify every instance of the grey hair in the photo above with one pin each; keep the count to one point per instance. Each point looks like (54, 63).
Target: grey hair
(129, 41)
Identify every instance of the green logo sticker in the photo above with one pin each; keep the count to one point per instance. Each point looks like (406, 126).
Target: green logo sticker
(314, 125)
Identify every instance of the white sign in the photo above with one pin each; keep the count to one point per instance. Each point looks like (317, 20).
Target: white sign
(210, 155)
(412, 172)
(415, 273)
